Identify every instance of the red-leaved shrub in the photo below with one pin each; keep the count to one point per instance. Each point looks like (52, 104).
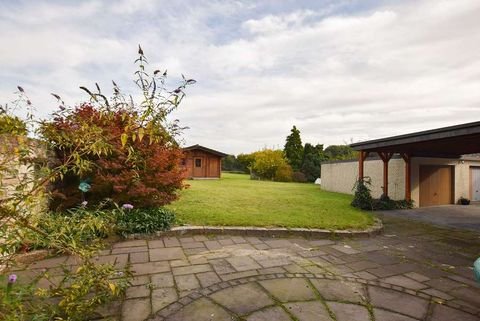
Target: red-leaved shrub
(140, 169)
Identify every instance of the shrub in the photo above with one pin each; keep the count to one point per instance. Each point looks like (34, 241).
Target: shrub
(299, 177)
(284, 173)
(81, 292)
(266, 162)
(144, 172)
(14, 300)
(362, 198)
(12, 125)
(463, 201)
(403, 204)
(125, 150)
(82, 225)
(77, 293)
(131, 221)
(385, 203)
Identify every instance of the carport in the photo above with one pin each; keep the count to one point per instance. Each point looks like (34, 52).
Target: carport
(447, 142)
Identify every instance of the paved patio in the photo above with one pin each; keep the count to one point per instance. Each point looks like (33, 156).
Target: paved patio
(412, 272)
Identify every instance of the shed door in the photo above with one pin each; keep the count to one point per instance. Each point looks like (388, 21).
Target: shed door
(198, 167)
(436, 185)
(213, 167)
(475, 183)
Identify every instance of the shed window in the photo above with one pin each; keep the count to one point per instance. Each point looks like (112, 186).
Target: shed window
(198, 162)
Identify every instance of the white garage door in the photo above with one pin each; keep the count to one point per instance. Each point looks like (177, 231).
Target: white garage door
(475, 183)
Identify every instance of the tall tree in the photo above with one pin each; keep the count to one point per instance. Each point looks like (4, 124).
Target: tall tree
(245, 162)
(294, 149)
(312, 159)
(229, 163)
(340, 152)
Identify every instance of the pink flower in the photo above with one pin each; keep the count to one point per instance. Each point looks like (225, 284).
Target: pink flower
(12, 278)
(127, 206)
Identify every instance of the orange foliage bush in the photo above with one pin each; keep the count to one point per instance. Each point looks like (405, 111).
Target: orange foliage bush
(142, 170)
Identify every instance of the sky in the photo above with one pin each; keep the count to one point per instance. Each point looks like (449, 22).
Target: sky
(341, 71)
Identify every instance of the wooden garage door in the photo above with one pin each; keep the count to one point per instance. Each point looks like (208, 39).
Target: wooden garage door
(436, 185)
(475, 179)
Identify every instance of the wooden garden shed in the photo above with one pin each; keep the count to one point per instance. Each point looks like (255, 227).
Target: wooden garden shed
(202, 162)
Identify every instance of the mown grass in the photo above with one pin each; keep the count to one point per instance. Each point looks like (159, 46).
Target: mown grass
(235, 200)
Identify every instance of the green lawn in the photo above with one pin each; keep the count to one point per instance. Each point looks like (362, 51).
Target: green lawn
(237, 200)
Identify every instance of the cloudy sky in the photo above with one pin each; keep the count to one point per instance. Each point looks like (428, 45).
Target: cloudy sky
(341, 71)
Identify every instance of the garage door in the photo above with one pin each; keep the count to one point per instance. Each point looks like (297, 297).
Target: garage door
(436, 185)
(475, 175)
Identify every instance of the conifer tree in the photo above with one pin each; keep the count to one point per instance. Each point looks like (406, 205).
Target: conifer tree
(294, 149)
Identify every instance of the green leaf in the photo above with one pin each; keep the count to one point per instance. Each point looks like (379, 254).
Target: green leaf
(124, 139)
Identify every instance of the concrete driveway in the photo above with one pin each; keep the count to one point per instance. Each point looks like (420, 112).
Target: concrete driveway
(450, 216)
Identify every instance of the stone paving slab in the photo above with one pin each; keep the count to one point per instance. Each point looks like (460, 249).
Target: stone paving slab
(443, 313)
(402, 275)
(273, 313)
(136, 309)
(167, 254)
(348, 312)
(396, 301)
(333, 290)
(163, 297)
(201, 310)
(287, 290)
(243, 299)
(383, 315)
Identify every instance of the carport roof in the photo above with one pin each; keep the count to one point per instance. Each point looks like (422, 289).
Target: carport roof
(452, 141)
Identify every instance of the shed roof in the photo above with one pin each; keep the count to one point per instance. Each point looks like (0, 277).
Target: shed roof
(452, 141)
(205, 149)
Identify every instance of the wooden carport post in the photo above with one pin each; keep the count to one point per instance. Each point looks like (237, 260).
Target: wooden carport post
(385, 156)
(408, 176)
(361, 158)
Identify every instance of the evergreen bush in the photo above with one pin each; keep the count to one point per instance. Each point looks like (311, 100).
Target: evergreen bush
(362, 197)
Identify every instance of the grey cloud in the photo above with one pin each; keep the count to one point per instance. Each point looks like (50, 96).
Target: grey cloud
(390, 69)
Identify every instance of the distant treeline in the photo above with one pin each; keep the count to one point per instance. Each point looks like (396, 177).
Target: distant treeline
(296, 162)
